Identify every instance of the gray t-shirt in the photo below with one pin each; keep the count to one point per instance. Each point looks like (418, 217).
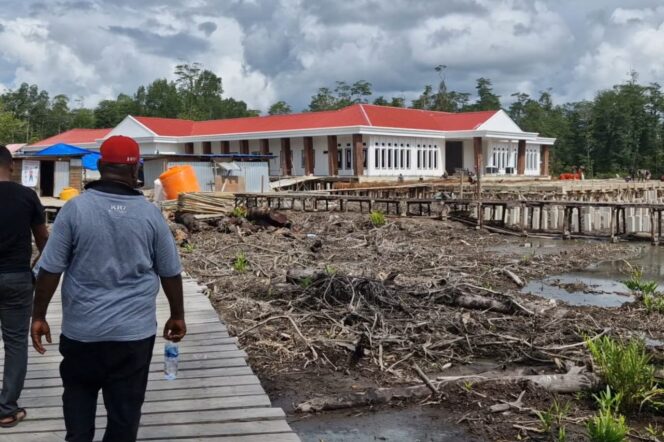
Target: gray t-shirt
(112, 250)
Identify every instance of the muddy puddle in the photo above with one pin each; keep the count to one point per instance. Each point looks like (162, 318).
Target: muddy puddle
(598, 285)
(412, 424)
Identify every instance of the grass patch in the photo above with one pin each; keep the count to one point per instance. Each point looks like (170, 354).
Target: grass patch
(552, 420)
(377, 218)
(645, 291)
(239, 212)
(626, 369)
(608, 425)
(240, 263)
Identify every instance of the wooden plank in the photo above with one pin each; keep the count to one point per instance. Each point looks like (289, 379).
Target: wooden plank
(271, 437)
(167, 432)
(180, 418)
(216, 395)
(190, 374)
(160, 385)
(55, 400)
(173, 406)
(157, 367)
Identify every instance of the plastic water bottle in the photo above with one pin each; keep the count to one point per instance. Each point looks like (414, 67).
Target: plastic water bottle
(171, 355)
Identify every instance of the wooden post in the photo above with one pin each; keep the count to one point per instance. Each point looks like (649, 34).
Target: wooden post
(286, 160)
(308, 156)
(654, 239)
(612, 224)
(521, 158)
(541, 217)
(225, 147)
(579, 214)
(480, 214)
(524, 215)
(244, 146)
(545, 152)
(479, 164)
(332, 154)
(264, 146)
(358, 155)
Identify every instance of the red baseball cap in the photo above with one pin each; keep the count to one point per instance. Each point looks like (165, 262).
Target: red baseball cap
(119, 149)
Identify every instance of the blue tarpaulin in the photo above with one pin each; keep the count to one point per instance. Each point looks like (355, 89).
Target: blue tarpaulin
(88, 157)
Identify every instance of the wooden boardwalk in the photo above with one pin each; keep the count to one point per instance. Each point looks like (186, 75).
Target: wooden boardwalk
(215, 398)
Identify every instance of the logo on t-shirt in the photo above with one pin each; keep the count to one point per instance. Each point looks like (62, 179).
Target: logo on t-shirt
(117, 209)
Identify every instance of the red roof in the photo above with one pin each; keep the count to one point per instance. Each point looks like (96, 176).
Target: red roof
(356, 115)
(74, 137)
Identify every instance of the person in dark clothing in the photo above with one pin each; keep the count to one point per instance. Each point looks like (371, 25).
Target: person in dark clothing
(22, 216)
(114, 248)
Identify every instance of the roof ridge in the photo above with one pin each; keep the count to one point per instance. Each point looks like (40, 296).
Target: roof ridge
(366, 116)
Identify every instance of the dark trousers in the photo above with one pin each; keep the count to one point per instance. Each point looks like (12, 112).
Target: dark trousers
(120, 370)
(15, 308)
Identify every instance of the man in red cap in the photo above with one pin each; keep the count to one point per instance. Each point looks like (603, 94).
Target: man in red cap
(114, 248)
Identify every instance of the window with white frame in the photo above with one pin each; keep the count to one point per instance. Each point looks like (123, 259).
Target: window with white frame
(377, 157)
(532, 159)
(349, 158)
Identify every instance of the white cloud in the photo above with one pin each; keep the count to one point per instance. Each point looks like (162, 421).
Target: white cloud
(632, 45)
(269, 50)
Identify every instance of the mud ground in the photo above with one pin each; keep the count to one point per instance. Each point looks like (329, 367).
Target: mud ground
(425, 255)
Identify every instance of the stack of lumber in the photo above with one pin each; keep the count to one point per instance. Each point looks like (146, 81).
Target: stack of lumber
(206, 203)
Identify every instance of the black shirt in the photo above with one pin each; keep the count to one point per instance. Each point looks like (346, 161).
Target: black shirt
(20, 209)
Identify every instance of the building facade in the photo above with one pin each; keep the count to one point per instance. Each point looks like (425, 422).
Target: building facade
(363, 141)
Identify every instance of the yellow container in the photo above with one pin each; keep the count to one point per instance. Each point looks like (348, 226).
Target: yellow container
(68, 193)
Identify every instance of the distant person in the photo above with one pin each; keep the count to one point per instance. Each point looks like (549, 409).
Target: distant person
(21, 216)
(114, 248)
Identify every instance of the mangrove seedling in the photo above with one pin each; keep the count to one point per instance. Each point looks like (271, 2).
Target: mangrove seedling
(240, 264)
(377, 218)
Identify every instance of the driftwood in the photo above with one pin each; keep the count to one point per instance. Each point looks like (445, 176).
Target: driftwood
(268, 217)
(476, 302)
(572, 382)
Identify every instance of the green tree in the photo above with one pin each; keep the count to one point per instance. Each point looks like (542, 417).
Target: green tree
(12, 130)
(323, 100)
(200, 92)
(31, 105)
(59, 115)
(82, 118)
(394, 102)
(162, 99)
(486, 99)
(280, 108)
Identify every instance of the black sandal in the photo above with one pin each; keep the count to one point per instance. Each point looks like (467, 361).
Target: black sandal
(15, 419)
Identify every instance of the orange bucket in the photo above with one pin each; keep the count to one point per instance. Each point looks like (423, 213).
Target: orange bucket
(179, 179)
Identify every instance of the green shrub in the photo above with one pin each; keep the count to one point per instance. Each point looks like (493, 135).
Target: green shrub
(239, 212)
(608, 425)
(377, 218)
(654, 303)
(240, 264)
(636, 283)
(625, 368)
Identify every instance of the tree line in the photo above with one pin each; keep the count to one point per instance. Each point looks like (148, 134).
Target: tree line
(620, 130)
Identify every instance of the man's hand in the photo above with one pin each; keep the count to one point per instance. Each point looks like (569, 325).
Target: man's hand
(174, 330)
(40, 328)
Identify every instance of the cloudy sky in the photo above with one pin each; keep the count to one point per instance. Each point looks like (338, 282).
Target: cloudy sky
(269, 50)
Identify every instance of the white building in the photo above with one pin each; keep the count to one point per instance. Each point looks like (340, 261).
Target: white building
(363, 141)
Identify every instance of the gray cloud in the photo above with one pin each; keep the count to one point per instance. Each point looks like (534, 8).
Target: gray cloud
(178, 46)
(208, 27)
(269, 50)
